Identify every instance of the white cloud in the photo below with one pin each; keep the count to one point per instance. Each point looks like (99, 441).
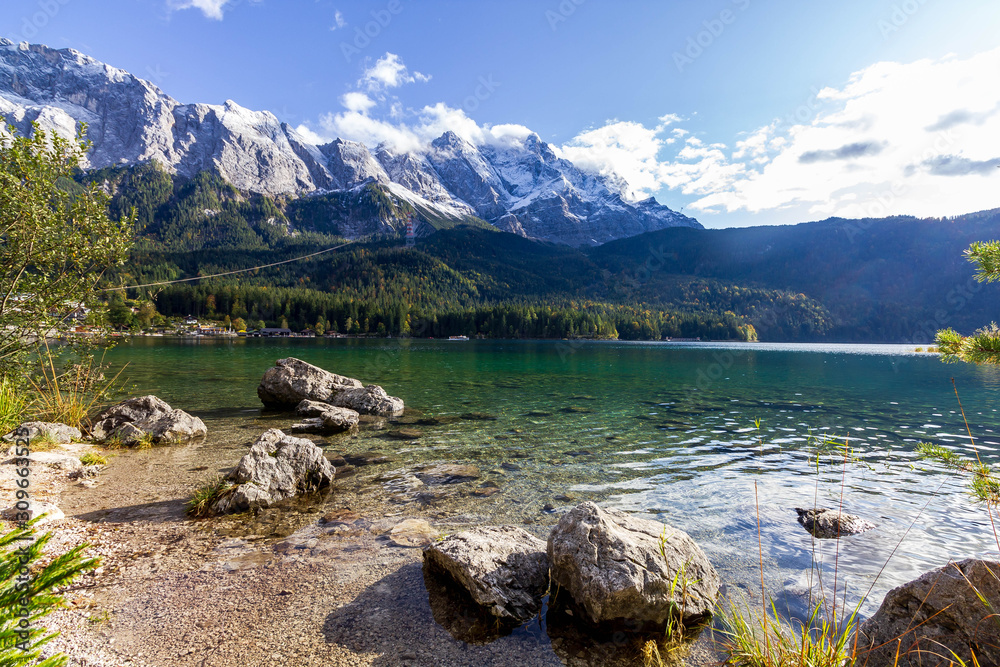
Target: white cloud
(310, 136)
(210, 8)
(920, 138)
(358, 102)
(916, 138)
(390, 72)
(338, 21)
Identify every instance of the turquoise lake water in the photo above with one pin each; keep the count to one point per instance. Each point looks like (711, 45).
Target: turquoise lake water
(664, 430)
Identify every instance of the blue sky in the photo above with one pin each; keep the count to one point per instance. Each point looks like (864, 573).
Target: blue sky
(739, 111)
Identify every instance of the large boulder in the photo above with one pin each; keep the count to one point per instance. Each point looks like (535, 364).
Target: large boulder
(61, 434)
(936, 617)
(830, 524)
(503, 568)
(34, 509)
(292, 381)
(142, 416)
(277, 467)
(617, 566)
(324, 418)
(57, 460)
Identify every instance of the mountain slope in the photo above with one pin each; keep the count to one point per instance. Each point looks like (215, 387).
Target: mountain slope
(517, 186)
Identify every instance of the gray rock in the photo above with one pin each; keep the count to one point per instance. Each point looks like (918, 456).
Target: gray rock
(276, 467)
(291, 381)
(371, 400)
(324, 418)
(503, 568)
(35, 508)
(61, 434)
(611, 564)
(52, 459)
(135, 418)
(935, 615)
(830, 524)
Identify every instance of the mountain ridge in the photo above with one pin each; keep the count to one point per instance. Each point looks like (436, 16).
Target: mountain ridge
(521, 187)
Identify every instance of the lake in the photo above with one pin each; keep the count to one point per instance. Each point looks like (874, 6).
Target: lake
(666, 430)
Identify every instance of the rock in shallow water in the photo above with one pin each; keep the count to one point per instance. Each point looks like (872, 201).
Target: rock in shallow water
(324, 418)
(617, 566)
(292, 381)
(277, 467)
(503, 568)
(937, 615)
(830, 524)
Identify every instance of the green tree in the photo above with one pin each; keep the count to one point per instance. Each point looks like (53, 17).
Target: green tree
(147, 313)
(983, 346)
(56, 239)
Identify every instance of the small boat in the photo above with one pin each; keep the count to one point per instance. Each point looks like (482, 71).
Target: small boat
(458, 338)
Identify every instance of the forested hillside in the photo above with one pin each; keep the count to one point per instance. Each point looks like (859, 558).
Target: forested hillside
(876, 280)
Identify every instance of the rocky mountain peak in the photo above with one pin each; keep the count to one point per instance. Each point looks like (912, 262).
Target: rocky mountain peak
(520, 186)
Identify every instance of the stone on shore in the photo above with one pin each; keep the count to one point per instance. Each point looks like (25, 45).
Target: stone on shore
(503, 568)
(133, 419)
(35, 508)
(277, 467)
(613, 566)
(56, 460)
(936, 615)
(324, 418)
(292, 381)
(830, 524)
(60, 434)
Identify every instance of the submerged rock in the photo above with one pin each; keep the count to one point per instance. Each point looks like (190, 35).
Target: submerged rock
(60, 434)
(617, 566)
(503, 568)
(292, 381)
(830, 524)
(448, 473)
(937, 617)
(413, 533)
(277, 467)
(133, 419)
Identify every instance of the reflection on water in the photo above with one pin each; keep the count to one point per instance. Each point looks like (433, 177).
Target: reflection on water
(668, 431)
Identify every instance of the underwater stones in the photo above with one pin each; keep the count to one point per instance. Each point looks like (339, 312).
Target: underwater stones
(830, 524)
(448, 473)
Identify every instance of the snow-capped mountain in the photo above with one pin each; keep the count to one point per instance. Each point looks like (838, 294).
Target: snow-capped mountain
(518, 186)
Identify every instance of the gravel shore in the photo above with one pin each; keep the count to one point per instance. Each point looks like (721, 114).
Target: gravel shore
(175, 592)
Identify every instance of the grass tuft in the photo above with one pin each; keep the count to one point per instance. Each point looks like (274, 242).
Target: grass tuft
(751, 641)
(205, 496)
(12, 405)
(94, 459)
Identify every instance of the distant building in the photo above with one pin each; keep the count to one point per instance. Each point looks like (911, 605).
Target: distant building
(277, 332)
(190, 320)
